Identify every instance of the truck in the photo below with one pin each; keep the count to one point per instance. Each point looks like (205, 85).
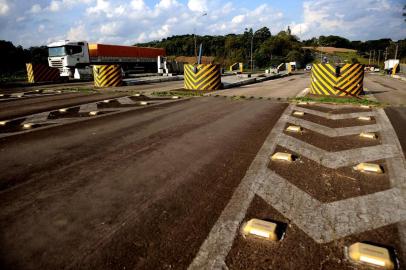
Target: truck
(390, 64)
(75, 58)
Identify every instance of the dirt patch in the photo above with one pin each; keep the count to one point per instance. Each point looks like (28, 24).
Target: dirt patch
(338, 110)
(329, 185)
(351, 122)
(297, 250)
(332, 144)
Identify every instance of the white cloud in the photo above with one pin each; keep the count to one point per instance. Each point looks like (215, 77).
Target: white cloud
(167, 4)
(111, 28)
(351, 19)
(35, 9)
(198, 5)
(41, 28)
(100, 7)
(238, 19)
(4, 7)
(77, 33)
(138, 5)
(55, 6)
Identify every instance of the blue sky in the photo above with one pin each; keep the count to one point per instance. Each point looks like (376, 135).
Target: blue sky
(39, 22)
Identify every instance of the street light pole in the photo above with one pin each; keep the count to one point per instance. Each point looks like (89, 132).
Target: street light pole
(194, 34)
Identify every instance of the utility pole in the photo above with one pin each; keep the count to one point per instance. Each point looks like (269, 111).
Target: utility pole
(252, 44)
(396, 51)
(379, 56)
(369, 61)
(386, 53)
(373, 60)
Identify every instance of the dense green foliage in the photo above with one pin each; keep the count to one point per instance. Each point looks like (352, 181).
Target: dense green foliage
(14, 58)
(271, 49)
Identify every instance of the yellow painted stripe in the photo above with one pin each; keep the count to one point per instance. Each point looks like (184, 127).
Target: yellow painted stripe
(330, 76)
(349, 76)
(319, 81)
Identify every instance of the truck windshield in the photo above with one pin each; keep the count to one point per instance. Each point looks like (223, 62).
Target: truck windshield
(57, 51)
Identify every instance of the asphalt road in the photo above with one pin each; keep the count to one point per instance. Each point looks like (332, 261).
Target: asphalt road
(129, 191)
(385, 89)
(143, 189)
(279, 88)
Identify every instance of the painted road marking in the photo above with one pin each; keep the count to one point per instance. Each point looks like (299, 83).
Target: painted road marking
(324, 222)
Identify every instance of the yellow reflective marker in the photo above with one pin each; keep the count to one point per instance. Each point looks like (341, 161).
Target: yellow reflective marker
(175, 97)
(63, 110)
(3, 123)
(143, 103)
(370, 254)
(303, 103)
(365, 118)
(282, 156)
(368, 135)
(107, 101)
(93, 113)
(368, 167)
(28, 125)
(137, 95)
(298, 113)
(365, 106)
(296, 129)
(260, 228)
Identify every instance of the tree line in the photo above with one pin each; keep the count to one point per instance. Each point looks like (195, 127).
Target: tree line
(268, 49)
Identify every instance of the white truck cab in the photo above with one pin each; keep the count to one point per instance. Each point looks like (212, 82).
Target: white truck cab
(68, 55)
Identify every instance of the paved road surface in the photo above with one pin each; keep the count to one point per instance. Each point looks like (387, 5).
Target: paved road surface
(386, 89)
(143, 189)
(125, 191)
(279, 88)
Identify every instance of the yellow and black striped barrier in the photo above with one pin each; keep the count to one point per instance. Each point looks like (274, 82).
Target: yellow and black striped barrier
(41, 73)
(202, 77)
(107, 75)
(329, 80)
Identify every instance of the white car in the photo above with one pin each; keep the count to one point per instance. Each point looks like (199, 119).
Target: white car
(308, 67)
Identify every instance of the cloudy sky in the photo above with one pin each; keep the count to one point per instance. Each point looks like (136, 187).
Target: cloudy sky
(39, 22)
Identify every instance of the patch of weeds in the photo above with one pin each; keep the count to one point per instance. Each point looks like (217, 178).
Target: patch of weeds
(337, 100)
(185, 93)
(242, 97)
(79, 89)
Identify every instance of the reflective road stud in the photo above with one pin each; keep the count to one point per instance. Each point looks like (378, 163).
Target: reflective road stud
(368, 135)
(143, 103)
(365, 118)
(296, 129)
(3, 123)
(260, 228)
(93, 113)
(175, 97)
(107, 101)
(365, 106)
(298, 113)
(368, 167)
(137, 95)
(282, 156)
(28, 126)
(63, 110)
(370, 254)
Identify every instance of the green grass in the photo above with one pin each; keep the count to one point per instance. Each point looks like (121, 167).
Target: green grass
(346, 57)
(78, 89)
(182, 93)
(17, 77)
(337, 100)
